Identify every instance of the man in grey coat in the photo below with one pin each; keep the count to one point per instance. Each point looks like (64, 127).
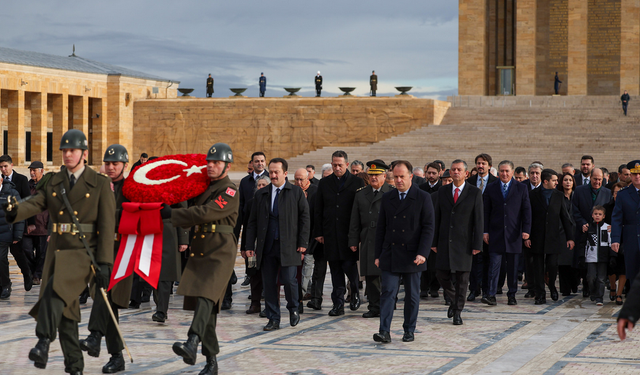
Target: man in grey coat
(459, 217)
(362, 230)
(280, 222)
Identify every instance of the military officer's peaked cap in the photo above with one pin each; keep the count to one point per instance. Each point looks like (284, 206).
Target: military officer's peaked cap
(220, 151)
(634, 166)
(74, 138)
(377, 167)
(116, 153)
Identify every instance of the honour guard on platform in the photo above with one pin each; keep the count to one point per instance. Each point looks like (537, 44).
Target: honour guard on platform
(209, 86)
(318, 82)
(373, 81)
(263, 84)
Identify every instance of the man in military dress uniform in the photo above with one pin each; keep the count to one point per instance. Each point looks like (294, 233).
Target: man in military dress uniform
(373, 81)
(362, 231)
(263, 84)
(67, 268)
(116, 160)
(213, 253)
(318, 82)
(209, 86)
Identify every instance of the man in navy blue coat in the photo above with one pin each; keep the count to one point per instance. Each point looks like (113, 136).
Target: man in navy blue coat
(507, 221)
(403, 241)
(625, 222)
(263, 84)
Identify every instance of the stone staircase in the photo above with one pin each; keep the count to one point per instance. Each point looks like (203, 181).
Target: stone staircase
(553, 130)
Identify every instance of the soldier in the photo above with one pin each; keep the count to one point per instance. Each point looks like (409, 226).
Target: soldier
(209, 86)
(263, 84)
(362, 230)
(74, 192)
(318, 82)
(116, 160)
(213, 253)
(373, 81)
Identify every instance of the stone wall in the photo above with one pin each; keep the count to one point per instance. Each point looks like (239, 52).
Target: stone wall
(281, 127)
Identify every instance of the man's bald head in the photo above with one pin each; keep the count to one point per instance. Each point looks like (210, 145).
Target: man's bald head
(301, 177)
(596, 178)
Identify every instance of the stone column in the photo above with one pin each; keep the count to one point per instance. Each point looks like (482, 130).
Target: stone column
(80, 114)
(630, 46)
(577, 60)
(526, 47)
(60, 124)
(17, 136)
(99, 130)
(472, 47)
(39, 127)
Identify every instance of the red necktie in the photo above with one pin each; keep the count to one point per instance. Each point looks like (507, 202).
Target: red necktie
(455, 195)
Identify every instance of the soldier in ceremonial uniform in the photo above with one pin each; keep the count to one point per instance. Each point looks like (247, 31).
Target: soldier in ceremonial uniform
(209, 86)
(67, 265)
(362, 231)
(116, 160)
(318, 81)
(373, 81)
(213, 253)
(263, 84)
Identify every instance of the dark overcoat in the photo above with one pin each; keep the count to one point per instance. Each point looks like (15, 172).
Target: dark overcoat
(318, 81)
(67, 262)
(210, 85)
(459, 227)
(263, 84)
(404, 230)
(625, 228)
(582, 205)
(565, 257)
(373, 81)
(506, 219)
(172, 238)
(121, 292)
(551, 225)
(246, 189)
(293, 221)
(362, 229)
(334, 201)
(631, 308)
(213, 255)
(426, 187)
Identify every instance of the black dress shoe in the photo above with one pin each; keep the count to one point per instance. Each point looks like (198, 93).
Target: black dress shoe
(471, 297)
(554, 294)
(134, 305)
(115, 364)
(585, 293)
(450, 312)
(253, 309)
(512, 301)
(447, 301)
(337, 311)
(424, 294)
(159, 317)
(246, 281)
(272, 326)
(28, 281)
(300, 308)
(91, 344)
(457, 319)
(40, 353)
(499, 291)
(371, 314)
(382, 336)
(492, 301)
(355, 302)
(226, 305)
(263, 313)
(188, 350)
(541, 301)
(294, 318)
(75, 373)
(530, 294)
(434, 294)
(6, 292)
(485, 300)
(211, 368)
(408, 336)
(314, 304)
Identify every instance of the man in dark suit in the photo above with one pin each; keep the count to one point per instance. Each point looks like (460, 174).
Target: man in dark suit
(459, 225)
(429, 284)
(586, 166)
(432, 173)
(526, 261)
(625, 224)
(584, 199)
(478, 279)
(548, 216)
(280, 222)
(143, 159)
(362, 231)
(332, 211)
(507, 221)
(403, 239)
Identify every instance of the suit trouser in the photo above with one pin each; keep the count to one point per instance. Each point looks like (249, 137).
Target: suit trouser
(373, 92)
(18, 255)
(139, 288)
(390, 284)
(528, 265)
(457, 292)
(39, 243)
(271, 270)
(372, 289)
(596, 277)
(318, 90)
(51, 319)
(161, 296)
(340, 268)
(307, 273)
(204, 325)
(495, 263)
(429, 279)
(256, 287)
(624, 108)
(541, 263)
(100, 321)
(318, 277)
(568, 277)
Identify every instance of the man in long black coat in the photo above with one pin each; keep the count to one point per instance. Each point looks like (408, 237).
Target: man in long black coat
(459, 218)
(548, 217)
(334, 200)
(209, 86)
(429, 284)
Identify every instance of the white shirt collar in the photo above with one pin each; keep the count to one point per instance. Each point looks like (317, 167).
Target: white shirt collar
(10, 177)
(454, 187)
(255, 175)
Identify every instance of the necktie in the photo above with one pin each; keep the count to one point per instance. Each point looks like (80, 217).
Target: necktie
(585, 181)
(72, 181)
(402, 196)
(375, 193)
(275, 203)
(455, 195)
(481, 184)
(504, 190)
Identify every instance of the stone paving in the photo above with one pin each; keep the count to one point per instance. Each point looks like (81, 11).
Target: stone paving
(570, 336)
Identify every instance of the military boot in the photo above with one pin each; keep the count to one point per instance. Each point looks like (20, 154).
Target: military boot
(115, 364)
(40, 353)
(188, 350)
(91, 344)
(211, 368)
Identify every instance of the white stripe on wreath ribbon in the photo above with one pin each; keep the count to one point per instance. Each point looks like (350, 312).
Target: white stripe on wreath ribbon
(126, 257)
(145, 254)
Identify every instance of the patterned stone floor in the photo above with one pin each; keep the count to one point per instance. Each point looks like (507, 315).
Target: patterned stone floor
(570, 336)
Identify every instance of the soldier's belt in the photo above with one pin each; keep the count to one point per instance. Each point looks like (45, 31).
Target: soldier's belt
(72, 228)
(213, 228)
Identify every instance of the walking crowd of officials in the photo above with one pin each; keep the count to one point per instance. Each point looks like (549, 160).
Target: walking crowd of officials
(377, 226)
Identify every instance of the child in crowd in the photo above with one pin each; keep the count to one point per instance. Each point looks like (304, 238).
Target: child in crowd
(598, 254)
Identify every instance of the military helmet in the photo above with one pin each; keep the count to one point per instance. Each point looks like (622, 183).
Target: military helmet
(74, 138)
(116, 153)
(220, 151)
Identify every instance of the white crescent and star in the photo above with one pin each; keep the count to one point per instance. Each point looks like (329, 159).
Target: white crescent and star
(140, 176)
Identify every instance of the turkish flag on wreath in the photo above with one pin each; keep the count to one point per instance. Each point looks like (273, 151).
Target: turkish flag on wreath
(169, 179)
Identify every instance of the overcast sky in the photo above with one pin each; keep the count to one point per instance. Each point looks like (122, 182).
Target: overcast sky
(408, 43)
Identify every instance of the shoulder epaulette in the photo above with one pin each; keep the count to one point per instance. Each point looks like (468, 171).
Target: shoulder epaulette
(361, 188)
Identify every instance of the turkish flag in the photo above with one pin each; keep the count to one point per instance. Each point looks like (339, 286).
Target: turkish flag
(141, 244)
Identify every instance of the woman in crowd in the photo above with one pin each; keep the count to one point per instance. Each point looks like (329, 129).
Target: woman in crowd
(567, 274)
